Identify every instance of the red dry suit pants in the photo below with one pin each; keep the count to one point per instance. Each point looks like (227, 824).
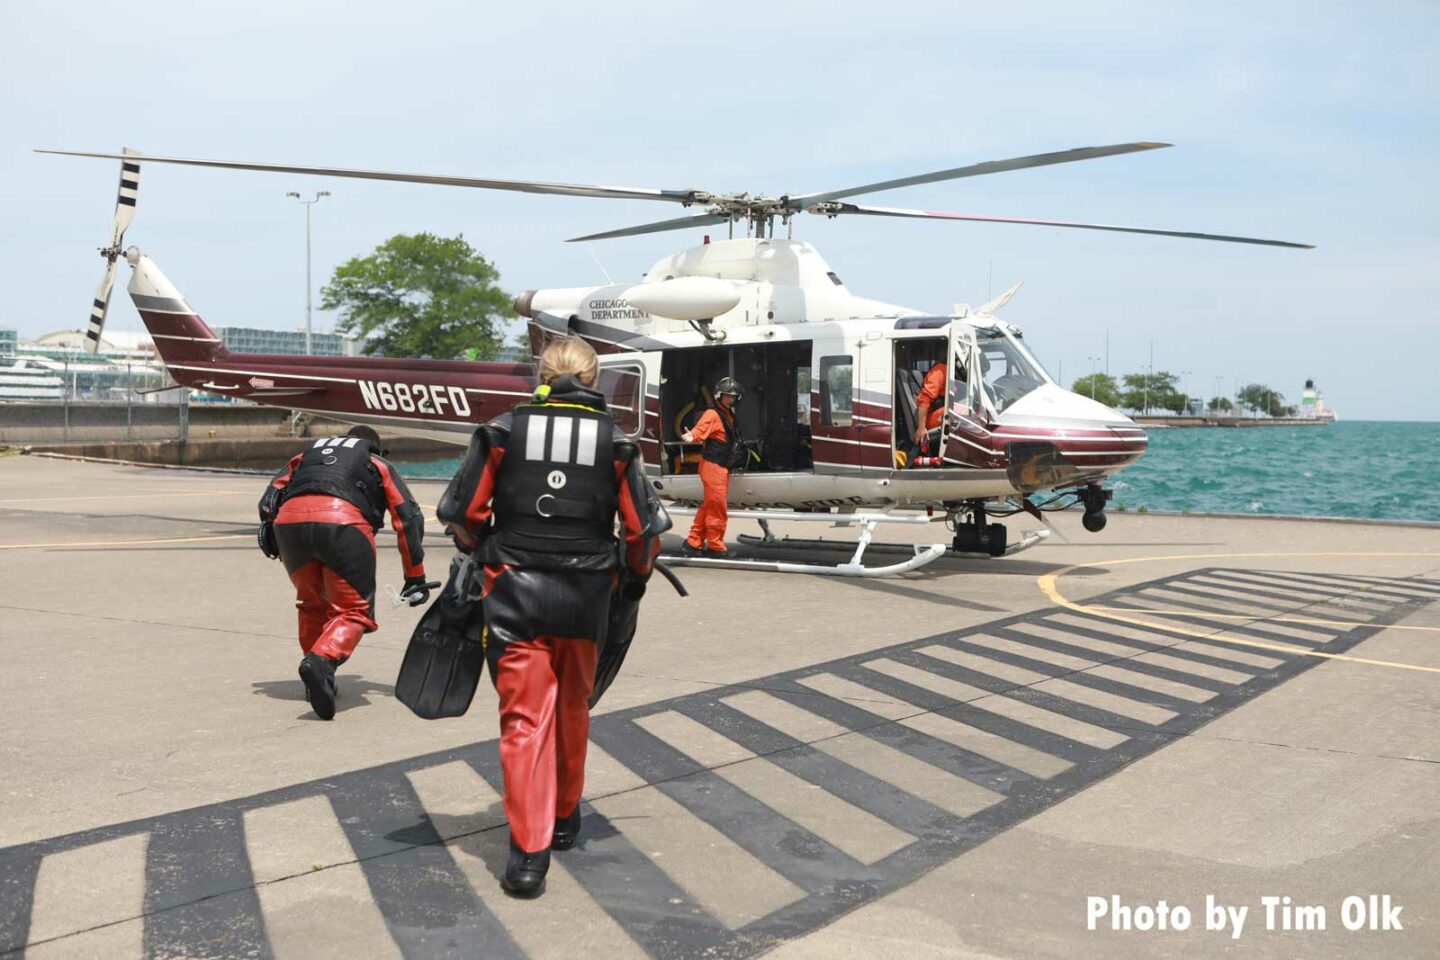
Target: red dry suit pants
(709, 526)
(328, 549)
(544, 686)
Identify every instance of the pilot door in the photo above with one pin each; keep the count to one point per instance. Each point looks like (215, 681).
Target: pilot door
(631, 385)
(963, 411)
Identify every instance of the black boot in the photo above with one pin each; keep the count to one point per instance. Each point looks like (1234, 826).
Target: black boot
(567, 831)
(525, 872)
(318, 675)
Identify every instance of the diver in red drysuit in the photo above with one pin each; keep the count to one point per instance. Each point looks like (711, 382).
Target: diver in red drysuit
(319, 516)
(535, 501)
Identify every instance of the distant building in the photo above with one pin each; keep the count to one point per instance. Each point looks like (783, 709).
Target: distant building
(117, 345)
(125, 364)
(261, 340)
(8, 339)
(22, 379)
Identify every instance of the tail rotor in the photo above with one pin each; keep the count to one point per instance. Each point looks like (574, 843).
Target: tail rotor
(124, 214)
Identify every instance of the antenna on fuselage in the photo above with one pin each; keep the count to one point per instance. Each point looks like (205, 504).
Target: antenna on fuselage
(603, 272)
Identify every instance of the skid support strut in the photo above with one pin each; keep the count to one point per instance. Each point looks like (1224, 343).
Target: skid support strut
(920, 554)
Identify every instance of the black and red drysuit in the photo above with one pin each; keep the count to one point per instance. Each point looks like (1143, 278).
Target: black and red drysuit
(326, 506)
(535, 501)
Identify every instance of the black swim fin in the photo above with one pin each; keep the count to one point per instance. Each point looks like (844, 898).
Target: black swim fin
(445, 658)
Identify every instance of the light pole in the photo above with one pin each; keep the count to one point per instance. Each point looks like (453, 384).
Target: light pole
(308, 204)
(1093, 362)
(1185, 387)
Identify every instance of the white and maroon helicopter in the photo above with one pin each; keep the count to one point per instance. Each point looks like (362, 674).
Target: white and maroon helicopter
(830, 378)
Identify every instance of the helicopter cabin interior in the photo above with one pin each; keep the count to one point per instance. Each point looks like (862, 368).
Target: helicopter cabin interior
(797, 393)
(773, 415)
(913, 359)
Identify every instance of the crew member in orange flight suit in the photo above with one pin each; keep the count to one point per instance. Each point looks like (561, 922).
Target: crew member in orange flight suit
(930, 403)
(535, 501)
(319, 515)
(716, 430)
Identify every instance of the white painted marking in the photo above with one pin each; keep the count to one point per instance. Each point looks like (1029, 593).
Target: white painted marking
(925, 680)
(315, 899)
(605, 775)
(844, 826)
(722, 877)
(935, 786)
(1114, 703)
(860, 696)
(1037, 763)
(784, 716)
(694, 739)
(467, 811)
(90, 886)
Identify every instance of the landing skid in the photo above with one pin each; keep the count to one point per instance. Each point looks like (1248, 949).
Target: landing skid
(1027, 540)
(920, 554)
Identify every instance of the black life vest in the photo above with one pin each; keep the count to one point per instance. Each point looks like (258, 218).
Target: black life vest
(341, 467)
(723, 452)
(556, 493)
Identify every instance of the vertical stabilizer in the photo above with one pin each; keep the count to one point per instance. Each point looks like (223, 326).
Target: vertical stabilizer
(179, 333)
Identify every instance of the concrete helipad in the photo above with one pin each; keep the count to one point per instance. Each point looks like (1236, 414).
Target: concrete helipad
(948, 764)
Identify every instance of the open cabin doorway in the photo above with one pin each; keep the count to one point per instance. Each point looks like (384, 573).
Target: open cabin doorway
(914, 358)
(773, 416)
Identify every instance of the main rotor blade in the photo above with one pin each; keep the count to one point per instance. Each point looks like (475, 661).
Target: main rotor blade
(679, 223)
(935, 215)
(981, 169)
(126, 198)
(519, 186)
(99, 308)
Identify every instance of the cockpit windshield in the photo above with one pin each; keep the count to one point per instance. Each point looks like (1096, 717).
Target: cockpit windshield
(1008, 370)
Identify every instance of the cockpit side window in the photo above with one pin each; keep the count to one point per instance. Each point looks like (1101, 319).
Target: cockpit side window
(1005, 370)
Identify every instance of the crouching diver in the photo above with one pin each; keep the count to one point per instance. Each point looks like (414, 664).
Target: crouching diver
(320, 515)
(535, 502)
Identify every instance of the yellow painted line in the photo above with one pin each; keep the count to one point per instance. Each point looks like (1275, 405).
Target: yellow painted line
(1246, 616)
(124, 543)
(1047, 584)
(133, 496)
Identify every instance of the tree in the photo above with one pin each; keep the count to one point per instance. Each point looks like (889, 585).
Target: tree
(420, 296)
(1100, 387)
(1146, 390)
(522, 340)
(1220, 405)
(1262, 398)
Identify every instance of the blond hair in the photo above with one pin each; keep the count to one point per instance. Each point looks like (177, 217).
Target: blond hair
(569, 355)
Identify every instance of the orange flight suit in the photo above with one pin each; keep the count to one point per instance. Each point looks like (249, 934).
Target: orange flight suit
(708, 530)
(932, 396)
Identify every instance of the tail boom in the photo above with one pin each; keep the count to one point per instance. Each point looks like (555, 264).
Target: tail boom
(442, 399)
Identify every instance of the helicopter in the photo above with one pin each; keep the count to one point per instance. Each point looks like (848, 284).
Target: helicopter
(831, 378)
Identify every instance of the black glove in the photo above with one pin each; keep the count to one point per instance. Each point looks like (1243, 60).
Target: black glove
(633, 589)
(416, 590)
(265, 537)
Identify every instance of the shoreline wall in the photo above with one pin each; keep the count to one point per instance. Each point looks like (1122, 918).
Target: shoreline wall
(230, 435)
(1180, 421)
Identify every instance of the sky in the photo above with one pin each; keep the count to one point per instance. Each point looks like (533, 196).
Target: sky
(1314, 122)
